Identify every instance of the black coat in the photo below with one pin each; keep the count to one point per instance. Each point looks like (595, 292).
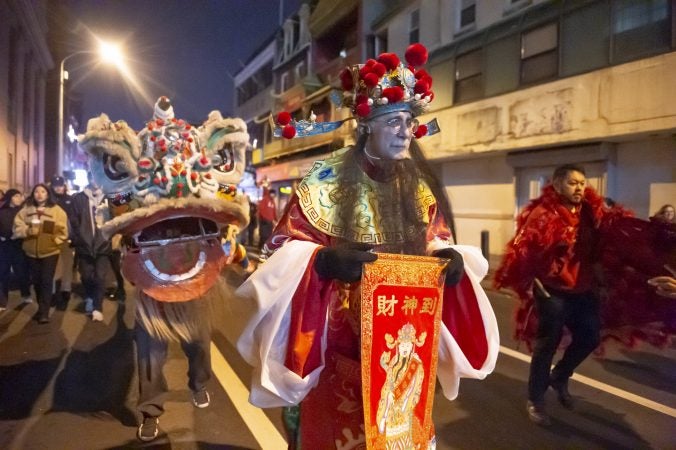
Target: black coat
(7, 221)
(83, 240)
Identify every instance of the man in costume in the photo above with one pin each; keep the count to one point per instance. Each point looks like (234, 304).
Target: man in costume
(571, 263)
(303, 304)
(172, 193)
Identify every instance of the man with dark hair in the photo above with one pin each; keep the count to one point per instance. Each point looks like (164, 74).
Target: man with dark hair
(557, 238)
(378, 196)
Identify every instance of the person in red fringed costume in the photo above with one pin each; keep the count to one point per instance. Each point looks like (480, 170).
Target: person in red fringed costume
(377, 196)
(582, 267)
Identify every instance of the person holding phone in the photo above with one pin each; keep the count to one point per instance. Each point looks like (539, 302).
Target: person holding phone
(43, 226)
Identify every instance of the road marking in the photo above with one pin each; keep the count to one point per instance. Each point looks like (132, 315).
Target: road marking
(625, 395)
(258, 423)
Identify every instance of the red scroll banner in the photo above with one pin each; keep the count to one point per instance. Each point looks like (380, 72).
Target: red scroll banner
(400, 318)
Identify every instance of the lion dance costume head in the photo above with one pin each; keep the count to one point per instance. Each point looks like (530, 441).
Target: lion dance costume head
(171, 190)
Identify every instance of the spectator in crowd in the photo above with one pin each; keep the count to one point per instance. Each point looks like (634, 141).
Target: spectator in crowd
(12, 257)
(64, 269)
(267, 215)
(666, 214)
(43, 226)
(91, 248)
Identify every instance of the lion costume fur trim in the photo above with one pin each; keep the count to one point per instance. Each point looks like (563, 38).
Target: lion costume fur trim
(103, 129)
(238, 207)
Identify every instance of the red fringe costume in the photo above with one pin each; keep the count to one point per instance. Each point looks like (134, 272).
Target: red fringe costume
(629, 251)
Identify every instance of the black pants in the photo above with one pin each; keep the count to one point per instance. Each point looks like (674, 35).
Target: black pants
(578, 312)
(151, 354)
(115, 258)
(93, 270)
(264, 232)
(42, 271)
(13, 259)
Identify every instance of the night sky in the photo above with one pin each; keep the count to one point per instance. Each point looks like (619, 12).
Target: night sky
(187, 50)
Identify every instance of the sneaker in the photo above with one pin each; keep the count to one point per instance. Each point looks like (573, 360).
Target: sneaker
(97, 316)
(2, 309)
(562, 394)
(89, 305)
(537, 413)
(26, 300)
(149, 429)
(43, 320)
(201, 398)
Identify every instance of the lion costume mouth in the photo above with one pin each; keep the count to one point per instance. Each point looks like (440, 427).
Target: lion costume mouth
(174, 250)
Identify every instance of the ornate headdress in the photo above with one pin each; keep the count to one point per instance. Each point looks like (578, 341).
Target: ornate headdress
(377, 87)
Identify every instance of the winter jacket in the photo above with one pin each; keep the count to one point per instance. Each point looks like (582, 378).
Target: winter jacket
(86, 235)
(52, 233)
(7, 216)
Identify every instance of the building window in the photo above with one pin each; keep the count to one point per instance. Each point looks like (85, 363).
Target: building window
(640, 28)
(376, 44)
(585, 34)
(539, 54)
(469, 76)
(467, 14)
(414, 27)
(284, 82)
(301, 70)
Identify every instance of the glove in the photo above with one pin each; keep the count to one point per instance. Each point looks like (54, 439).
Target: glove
(343, 262)
(455, 267)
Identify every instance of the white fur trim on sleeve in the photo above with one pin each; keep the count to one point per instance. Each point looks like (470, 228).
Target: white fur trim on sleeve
(453, 363)
(264, 312)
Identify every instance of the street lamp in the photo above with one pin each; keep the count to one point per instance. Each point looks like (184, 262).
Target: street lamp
(107, 53)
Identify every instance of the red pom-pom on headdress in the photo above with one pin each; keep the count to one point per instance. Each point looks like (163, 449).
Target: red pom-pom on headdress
(390, 60)
(422, 74)
(361, 98)
(416, 55)
(421, 131)
(379, 69)
(362, 109)
(288, 132)
(421, 87)
(346, 80)
(283, 118)
(371, 79)
(393, 94)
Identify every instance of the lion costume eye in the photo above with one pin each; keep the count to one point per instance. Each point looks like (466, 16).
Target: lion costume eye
(114, 167)
(227, 162)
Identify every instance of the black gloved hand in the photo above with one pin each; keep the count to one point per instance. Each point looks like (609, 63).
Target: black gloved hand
(343, 262)
(455, 268)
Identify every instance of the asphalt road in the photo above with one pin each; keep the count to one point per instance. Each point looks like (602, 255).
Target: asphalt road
(72, 385)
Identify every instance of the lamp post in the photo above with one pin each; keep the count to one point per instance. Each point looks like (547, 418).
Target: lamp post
(107, 53)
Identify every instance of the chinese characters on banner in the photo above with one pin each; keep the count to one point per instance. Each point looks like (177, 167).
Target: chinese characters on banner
(400, 319)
